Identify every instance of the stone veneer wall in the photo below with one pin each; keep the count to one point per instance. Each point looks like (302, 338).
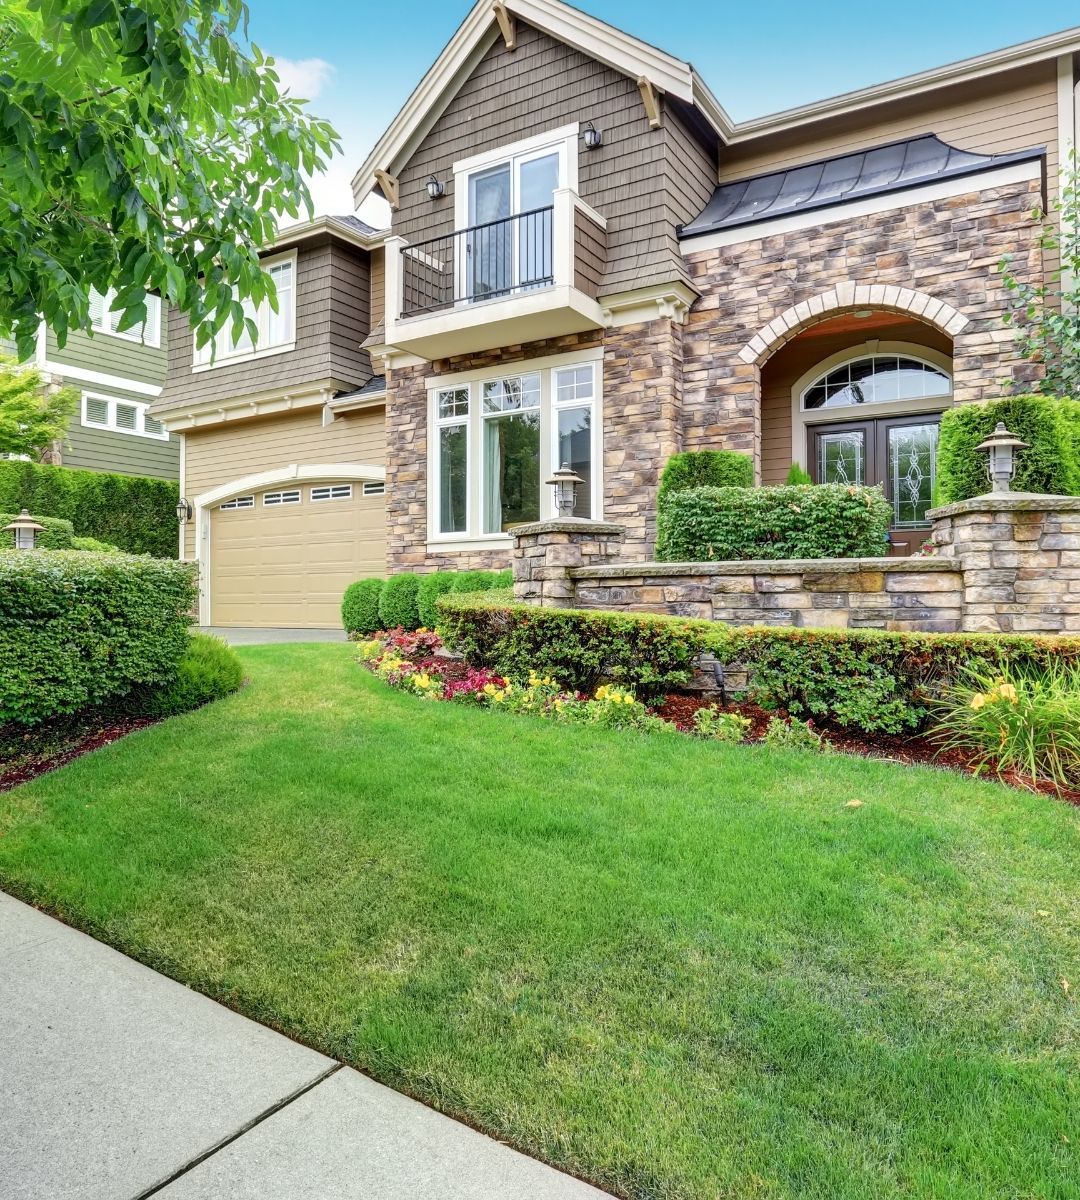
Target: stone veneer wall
(945, 248)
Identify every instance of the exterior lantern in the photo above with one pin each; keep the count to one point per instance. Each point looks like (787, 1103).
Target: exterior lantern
(565, 482)
(593, 137)
(25, 530)
(434, 187)
(183, 510)
(1000, 448)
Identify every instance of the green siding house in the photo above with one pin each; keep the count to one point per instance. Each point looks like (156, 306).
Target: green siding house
(119, 375)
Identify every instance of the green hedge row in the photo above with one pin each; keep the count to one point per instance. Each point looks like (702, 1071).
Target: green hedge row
(56, 535)
(409, 600)
(1050, 464)
(704, 468)
(722, 524)
(79, 629)
(132, 512)
(860, 679)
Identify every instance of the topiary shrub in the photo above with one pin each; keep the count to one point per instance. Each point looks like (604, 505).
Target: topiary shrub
(398, 602)
(360, 607)
(208, 670)
(725, 524)
(78, 630)
(432, 586)
(705, 468)
(56, 535)
(1050, 465)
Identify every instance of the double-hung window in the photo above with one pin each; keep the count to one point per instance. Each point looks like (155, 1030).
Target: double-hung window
(104, 320)
(277, 330)
(496, 441)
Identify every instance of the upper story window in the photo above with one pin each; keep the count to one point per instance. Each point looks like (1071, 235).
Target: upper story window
(496, 440)
(120, 416)
(277, 330)
(104, 320)
(876, 379)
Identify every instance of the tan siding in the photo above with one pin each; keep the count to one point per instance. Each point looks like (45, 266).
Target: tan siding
(794, 360)
(545, 85)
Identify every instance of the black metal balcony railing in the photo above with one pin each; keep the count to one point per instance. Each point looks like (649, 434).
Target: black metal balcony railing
(500, 258)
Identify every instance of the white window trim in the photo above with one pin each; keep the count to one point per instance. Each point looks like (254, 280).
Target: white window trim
(231, 356)
(802, 418)
(136, 334)
(473, 537)
(111, 426)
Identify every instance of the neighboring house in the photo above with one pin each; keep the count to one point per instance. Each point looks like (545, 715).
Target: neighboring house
(590, 263)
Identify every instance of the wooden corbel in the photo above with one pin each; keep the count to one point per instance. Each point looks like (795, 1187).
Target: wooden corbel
(389, 185)
(507, 24)
(651, 101)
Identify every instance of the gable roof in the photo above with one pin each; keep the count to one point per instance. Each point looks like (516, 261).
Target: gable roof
(841, 179)
(479, 31)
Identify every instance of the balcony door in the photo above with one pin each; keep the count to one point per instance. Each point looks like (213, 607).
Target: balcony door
(508, 242)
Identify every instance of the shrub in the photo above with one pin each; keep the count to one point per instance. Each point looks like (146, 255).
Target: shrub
(208, 670)
(704, 468)
(360, 607)
(130, 511)
(89, 543)
(481, 581)
(795, 735)
(57, 534)
(1018, 719)
(797, 477)
(1051, 464)
(398, 602)
(721, 524)
(713, 722)
(432, 586)
(79, 629)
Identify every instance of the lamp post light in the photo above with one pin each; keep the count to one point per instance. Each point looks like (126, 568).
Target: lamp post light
(25, 530)
(565, 482)
(183, 510)
(1000, 448)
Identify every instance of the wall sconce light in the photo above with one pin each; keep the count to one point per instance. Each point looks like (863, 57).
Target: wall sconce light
(1000, 448)
(593, 137)
(25, 530)
(565, 482)
(435, 189)
(183, 510)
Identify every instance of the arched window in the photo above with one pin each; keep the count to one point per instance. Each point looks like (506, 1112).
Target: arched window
(876, 379)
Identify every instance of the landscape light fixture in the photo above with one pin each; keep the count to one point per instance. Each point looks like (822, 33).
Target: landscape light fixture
(1000, 449)
(25, 530)
(565, 482)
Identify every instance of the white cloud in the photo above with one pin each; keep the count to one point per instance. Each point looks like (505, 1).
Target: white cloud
(303, 78)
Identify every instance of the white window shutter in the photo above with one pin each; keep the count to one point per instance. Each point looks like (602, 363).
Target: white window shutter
(97, 309)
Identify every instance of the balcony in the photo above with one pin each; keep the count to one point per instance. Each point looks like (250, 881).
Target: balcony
(524, 278)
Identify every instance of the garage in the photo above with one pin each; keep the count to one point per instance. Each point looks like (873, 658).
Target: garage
(282, 557)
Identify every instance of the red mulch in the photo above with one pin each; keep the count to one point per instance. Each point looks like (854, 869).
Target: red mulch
(902, 748)
(49, 761)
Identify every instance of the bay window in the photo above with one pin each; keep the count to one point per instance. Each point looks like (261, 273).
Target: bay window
(497, 438)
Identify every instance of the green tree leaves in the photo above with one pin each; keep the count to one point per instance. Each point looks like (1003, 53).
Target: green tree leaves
(143, 147)
(31, 417)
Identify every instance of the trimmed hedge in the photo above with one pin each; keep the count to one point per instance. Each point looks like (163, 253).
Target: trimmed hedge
(398, 602)
(88, 543)
(432, 586)
(133, 512)
(208, 670)
(705, 468)
(57, 534)
(79, 629)
(861, 679)
(360, 607)
(723, 524)
(1050, 465)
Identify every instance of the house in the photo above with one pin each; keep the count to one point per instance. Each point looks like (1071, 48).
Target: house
(590, 263)
(119, 374)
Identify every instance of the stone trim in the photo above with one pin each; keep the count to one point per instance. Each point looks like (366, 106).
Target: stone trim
(759, 566)
(1007, 502)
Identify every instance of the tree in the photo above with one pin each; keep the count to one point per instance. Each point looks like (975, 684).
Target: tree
(1047, 316)
(32, 416)
(142, 148)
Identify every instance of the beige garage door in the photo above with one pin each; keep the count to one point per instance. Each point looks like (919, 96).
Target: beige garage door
(283, 557)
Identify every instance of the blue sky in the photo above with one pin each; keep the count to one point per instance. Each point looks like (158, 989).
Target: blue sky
(359, 61)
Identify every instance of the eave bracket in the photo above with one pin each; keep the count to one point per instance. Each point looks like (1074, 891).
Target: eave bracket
(650, 100)
(389, 185)
(507, 24)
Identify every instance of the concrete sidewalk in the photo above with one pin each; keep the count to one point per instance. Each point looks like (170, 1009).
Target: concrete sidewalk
(272, 637)
(119, 1084)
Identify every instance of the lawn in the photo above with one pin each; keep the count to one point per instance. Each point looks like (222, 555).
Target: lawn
(675, 968)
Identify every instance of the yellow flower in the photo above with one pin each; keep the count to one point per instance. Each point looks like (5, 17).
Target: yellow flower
(628, 699)
(499, 697)
(559, 705)
(602, 691)
(490, 689)
(423, 680)
(1008, 691)
(978, 700)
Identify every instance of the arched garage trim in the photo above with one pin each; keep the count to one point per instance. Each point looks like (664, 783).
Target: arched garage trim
(294, 472)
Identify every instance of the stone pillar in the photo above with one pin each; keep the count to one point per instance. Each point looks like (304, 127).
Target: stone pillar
(545, 552)
(1020, 558)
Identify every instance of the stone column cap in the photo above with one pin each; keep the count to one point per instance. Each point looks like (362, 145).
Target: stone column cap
(1007, 502)
(580, 525)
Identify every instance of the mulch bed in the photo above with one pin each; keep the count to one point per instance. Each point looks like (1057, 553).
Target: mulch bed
(26, 756)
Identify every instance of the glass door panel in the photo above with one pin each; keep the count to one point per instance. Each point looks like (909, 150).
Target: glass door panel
(912, 459)
(841, 456)
(537, 180)
(489, 249)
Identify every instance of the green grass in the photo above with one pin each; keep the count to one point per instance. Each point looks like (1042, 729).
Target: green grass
(675, 968)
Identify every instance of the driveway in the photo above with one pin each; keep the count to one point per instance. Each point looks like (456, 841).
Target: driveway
(117, 1083)
(268, 637)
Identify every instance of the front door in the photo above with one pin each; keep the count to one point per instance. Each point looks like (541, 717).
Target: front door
(897, 452)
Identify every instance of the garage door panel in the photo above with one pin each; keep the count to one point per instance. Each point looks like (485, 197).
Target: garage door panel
(288, 565)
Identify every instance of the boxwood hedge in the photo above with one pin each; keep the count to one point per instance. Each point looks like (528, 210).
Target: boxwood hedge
(78, 629)
(360, 607)
(722, 524)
